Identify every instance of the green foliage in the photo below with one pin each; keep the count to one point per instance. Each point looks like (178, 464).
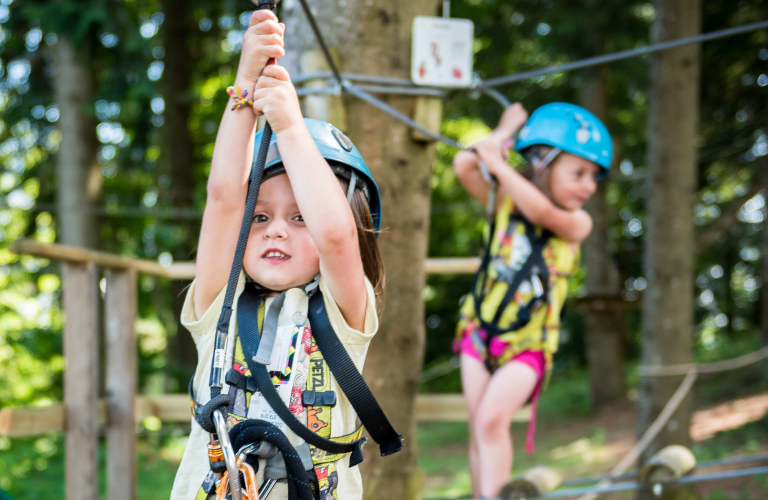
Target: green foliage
(33, 468)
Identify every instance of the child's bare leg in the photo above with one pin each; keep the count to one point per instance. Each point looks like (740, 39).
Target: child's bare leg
(474, 381)
(509, 389)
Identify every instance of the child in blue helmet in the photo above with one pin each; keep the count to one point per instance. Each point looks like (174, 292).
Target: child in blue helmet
(508, 325)
(317, 215)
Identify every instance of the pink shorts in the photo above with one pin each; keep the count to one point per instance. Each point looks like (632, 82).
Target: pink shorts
(534, 359)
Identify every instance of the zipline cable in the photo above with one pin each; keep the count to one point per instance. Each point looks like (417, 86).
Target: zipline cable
(344, 80)
(347, 86)
(625, 54)
(719, 366)
(701, 465)
(632, 485)
(714, 476)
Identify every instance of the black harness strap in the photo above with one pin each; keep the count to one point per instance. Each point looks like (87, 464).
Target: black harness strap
(534, 261)
(350, 380)
(247, 323)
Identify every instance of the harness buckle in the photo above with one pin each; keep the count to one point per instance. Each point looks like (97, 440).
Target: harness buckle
(318, 398)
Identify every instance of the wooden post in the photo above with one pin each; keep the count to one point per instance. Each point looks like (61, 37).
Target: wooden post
(81, 381)
(321, 107)
(121, 375)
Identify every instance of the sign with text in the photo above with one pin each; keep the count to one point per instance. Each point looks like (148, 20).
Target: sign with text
(441, 54)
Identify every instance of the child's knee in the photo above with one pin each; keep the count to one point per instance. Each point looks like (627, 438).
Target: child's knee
(490, 426)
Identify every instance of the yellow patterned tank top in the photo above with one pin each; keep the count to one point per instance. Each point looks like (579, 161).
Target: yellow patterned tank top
(531, 319)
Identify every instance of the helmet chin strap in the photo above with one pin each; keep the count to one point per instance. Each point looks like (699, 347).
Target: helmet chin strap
(538, 167)
(351, 189)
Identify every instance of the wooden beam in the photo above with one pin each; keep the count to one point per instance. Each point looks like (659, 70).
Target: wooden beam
(186, 270)
(452, 408)
(174, 408)
(455, 265)
(121, 381)
(81, 342)
(75, 255)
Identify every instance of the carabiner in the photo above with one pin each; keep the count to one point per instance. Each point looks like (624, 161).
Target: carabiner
(229, 458)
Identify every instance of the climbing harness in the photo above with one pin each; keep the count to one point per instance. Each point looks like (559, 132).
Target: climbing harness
(257, 335)
(532, 270)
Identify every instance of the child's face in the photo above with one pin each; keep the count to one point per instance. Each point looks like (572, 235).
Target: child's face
(280, 253)
(573, 180)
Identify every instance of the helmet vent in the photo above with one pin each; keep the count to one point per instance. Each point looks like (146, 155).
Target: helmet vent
(343, 140)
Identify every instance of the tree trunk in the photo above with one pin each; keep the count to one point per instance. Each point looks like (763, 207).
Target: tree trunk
(605, 327)
(78, 172)
(764, 276)
(179, 165)
(373, 38)
(669, 248)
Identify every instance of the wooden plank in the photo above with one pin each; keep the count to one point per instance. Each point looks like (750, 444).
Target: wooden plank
(81, 381)
(452, 408)
(166, 407)
(325, 107)
(458, 265)
(121, 376)
(73, 255)
(26, 421)
(428, 111)
(186, 270)
(174, 408)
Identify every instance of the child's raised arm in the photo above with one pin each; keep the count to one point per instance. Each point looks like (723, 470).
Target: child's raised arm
(573, 226)
(230, 166)
(466, 162)
(319, 195)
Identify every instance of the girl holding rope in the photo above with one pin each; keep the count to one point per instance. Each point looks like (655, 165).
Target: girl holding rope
(508, 324)
(313, 231)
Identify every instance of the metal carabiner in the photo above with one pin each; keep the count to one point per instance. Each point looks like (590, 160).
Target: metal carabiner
(229, 456)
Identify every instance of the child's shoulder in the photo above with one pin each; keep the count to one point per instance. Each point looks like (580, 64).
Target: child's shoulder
(346, 333)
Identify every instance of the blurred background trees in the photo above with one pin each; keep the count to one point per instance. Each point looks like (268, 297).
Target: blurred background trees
(110, 109)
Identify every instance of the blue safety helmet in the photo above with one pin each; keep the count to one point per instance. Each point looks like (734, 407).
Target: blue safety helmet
(570, 128)
(343, 156)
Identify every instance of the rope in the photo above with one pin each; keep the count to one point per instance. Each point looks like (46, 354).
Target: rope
(719, 366)
(439, 370)
(649, 435)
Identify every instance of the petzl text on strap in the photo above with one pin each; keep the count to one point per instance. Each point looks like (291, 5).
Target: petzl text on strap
(247, 325)
(349, 379)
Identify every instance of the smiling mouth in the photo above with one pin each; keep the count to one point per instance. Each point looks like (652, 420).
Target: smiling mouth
(275, 255)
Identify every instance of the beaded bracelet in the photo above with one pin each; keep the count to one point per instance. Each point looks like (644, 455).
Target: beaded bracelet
(239, 97)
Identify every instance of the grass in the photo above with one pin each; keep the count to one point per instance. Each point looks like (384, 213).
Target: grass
(33, 468)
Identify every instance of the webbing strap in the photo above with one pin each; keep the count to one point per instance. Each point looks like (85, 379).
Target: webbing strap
(269, 331)
(247, 325)
(534, 259)
(350, 380)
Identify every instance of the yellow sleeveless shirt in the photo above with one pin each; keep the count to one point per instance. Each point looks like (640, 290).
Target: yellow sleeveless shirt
(508, 248)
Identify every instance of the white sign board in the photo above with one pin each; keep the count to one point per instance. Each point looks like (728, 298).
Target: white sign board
(442, 51)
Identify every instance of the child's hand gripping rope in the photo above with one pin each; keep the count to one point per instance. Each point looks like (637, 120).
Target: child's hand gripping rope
(262, 43)
(263, 40)
(275, 97)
